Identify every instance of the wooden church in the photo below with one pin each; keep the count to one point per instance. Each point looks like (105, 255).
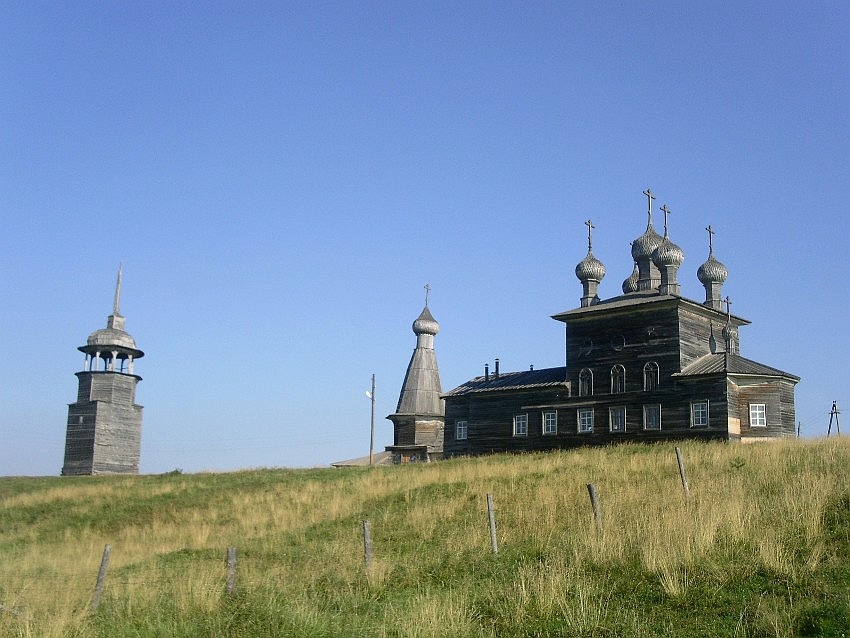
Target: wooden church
(647, 365)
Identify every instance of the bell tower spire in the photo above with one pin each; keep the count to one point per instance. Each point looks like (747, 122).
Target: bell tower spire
(104, 428)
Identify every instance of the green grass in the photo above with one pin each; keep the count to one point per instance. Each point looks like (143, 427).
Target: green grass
(762, 548)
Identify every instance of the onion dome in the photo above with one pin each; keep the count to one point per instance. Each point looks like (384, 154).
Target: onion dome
(667, 254)
(590, 269)
(712, 271)
(425, 323)
(645, 245)
(631, 283)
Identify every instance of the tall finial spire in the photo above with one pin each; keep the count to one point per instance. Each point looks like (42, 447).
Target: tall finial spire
(427, 293)
(116, 302)
(649, 198)
(666, 212)
(590, 228)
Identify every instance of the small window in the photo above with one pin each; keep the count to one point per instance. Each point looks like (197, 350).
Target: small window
(617, 419)
(585, 420)
(758, 415)
(650, 376)
(521, 425)
(652, 417)
(585, 383)
(461, 430)
(699, 414)
(550, 423)
(618, 379)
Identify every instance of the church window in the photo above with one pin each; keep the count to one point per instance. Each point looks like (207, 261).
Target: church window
(758, 415)
(461, 430)
(618, 379)
(550, 423)
(650, 376)
(521, 425)
(617, 419)
(585, 420)
(652, 417)
(585, 383)
(699, 414)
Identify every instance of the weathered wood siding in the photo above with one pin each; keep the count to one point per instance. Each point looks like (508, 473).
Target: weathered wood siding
(104, 426)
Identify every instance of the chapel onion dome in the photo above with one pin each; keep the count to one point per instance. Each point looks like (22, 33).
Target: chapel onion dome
(667, 254)
(631, 283)
(712, 271)
(590, 269)
(425, 323)
(645, 245)
(108, 337)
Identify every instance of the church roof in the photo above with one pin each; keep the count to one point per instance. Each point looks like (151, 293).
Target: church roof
(636, 299)
(726, 363)
(421, 390)
(545, 377)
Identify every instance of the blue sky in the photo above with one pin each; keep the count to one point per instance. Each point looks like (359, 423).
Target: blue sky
(280, 181)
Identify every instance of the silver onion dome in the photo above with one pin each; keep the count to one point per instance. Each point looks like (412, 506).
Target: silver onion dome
(631, 282)
(425, 323)
(712, 271)
(590, 269)
(667, 254)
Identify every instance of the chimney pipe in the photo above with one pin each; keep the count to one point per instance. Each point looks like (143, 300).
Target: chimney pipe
(531, 368)
(486, 371)
(497, 369)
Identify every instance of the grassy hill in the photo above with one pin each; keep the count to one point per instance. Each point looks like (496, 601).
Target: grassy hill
(761, 548)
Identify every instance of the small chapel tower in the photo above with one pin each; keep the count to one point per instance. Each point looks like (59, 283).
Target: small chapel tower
(104, 428)
(420, 415)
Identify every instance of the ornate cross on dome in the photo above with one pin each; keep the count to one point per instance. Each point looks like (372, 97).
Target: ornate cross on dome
(710, 239)
(728, 302)
(666, 212)
(590, 228)
(649, 198)
(427, 292)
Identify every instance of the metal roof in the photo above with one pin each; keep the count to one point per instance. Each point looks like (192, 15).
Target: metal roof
(545, 377)
(725, 363)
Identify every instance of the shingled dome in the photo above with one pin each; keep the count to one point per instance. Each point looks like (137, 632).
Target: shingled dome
(109, 337)
(667, 254)
(712, 271)
(425, 323)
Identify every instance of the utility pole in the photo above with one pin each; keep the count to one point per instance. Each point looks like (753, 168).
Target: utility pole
(834, 414)
(371, 396)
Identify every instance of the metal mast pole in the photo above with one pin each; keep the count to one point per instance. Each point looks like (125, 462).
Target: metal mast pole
(372, 432)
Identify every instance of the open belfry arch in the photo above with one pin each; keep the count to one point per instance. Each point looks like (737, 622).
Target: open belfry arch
(104, 428)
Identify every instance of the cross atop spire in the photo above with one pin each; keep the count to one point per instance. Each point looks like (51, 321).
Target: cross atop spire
(666, 212)
(117, 300)
(649, 198)
(711, 233)
(590, 228)
(427, 293)
(728, 302)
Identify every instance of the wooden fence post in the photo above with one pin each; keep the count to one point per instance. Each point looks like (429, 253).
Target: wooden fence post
(491, 516)
(682, 474)
(594, 501)
(367, 547)
(101, 576)
(230, 562)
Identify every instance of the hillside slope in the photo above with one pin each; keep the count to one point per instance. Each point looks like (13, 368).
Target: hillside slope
(760, 548)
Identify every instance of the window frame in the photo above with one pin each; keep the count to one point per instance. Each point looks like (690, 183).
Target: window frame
(760, 420)
(651, 381)
(657, 408)
(704, 423)
(524, 430)
(582, 426)
(461, 426)
(618, 379)
(611, 411)
(550, 426)
(585, 382)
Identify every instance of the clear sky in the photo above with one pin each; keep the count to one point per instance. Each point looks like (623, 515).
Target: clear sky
(280, 180)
